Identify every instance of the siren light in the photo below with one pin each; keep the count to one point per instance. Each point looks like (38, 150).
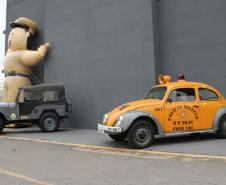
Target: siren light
(181, 76)
(163, 79)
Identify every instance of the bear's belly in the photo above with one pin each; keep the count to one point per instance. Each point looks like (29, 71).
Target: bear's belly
(12, 63)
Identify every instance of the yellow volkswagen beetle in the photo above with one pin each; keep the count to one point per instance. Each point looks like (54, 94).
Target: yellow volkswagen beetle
(168, 108)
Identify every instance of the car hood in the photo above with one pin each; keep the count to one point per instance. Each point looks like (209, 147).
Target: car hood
(120, 110)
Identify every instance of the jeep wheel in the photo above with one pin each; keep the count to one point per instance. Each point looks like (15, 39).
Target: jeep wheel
(2, 125)
(221, 132)
(141, 134)
(118, 137)
(49, 122)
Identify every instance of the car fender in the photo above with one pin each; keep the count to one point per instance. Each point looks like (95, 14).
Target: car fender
(219, 114)
(130, 117)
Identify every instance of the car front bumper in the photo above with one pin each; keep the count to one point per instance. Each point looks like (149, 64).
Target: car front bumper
(108, 129)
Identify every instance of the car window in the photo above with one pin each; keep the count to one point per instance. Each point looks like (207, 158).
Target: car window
(182, 94)
(207, 95)
(50, 95)
(33, 95)
(156, 93)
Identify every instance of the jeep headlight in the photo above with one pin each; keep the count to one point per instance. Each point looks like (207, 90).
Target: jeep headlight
(105, 119)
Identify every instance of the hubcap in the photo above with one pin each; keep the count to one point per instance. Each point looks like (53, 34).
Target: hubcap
(141, 135)
(49, 123)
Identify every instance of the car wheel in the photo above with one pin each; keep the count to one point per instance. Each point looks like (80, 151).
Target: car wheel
(221, 132)
(2, 125)
(49, 122)
(118, 137)
(141, 134)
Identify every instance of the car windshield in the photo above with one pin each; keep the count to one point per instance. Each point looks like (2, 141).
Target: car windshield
(156, 93)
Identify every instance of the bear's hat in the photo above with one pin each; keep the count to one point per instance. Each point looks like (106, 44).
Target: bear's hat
(25, 22)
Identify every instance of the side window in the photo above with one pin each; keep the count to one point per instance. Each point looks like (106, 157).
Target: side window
(182, 94)
(207, 95)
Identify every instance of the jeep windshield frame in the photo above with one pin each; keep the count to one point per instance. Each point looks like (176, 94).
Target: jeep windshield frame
(156, 93)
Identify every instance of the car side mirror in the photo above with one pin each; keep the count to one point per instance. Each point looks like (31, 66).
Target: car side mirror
(169, 100)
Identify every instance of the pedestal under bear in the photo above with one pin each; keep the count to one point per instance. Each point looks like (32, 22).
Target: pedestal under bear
(19, 58)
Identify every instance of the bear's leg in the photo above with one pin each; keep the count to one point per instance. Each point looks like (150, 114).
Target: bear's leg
(12, 94)
(14, 83)
(5, 91)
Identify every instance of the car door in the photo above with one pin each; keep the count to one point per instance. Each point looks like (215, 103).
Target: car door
(181, 110)
(209, 102)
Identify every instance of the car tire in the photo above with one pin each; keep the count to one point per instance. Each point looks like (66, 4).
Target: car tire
(49, 122)
(221, 132)
(141, 134)
(118, 137)
(2, 125)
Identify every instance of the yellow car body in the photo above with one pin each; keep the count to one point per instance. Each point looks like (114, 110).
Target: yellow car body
(171, 108)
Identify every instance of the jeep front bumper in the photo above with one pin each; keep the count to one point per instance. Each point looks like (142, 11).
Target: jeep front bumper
(108, 129)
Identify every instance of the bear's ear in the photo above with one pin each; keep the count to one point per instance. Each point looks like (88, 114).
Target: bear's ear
(27, 34)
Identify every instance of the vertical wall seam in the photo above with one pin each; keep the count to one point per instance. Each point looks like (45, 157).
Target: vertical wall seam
(156, 38)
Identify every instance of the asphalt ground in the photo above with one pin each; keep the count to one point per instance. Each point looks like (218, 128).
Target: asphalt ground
(205, 144)
(35, 162)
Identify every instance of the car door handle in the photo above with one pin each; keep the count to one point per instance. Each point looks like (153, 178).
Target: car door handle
(195, 106)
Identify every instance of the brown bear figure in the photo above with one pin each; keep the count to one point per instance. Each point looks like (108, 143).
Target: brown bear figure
(19, 58)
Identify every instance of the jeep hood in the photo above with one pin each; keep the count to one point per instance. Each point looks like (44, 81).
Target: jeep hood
(120, 110)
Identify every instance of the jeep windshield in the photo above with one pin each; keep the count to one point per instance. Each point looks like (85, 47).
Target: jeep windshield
(156, 93)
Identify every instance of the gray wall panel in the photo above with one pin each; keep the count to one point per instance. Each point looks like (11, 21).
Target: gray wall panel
(102, 51)
(192, 40)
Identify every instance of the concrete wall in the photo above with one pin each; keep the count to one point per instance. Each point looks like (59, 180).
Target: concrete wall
(102, 50)
(108, 52)
(193, 41)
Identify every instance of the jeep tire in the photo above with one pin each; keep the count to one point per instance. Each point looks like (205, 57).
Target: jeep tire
(2, 125)
(221, 132)
(49, 122)
(141, 134)
(118, 137)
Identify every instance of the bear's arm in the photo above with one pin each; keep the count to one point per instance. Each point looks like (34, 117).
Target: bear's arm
(30, 58)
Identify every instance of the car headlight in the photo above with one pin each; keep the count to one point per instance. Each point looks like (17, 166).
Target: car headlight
(105, 119)
(120, 121)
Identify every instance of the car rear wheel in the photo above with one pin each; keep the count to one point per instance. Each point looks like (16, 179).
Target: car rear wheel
(118, 137)
(49, 122)
(221, 132)
(141, 134)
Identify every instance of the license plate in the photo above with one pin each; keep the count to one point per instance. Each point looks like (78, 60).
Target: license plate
(114, 129)
(102, 129)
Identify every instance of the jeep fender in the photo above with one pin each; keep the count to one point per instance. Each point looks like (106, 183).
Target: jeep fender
(130, 117)
(219, 114)
(59, 109)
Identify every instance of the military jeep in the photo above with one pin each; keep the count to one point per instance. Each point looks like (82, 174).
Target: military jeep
(44, 105)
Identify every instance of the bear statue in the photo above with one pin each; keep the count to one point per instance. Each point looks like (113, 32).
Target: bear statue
(19, 59)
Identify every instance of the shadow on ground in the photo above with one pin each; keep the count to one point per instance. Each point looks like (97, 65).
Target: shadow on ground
(184, 139)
